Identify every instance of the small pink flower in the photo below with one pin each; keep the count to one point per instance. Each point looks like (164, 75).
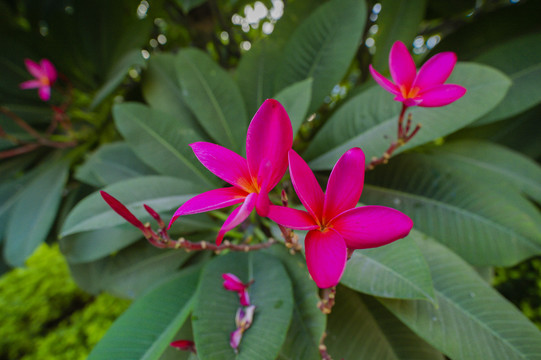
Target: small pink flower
(186, 345)
(333, 221)
(233, 283)
(425, 88)
(269, 138)
(45, 75)
(243, 320)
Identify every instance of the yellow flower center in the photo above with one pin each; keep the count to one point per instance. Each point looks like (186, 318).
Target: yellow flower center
(409, 93)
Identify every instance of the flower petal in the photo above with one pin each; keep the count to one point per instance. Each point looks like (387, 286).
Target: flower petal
(401, 65)
(237, 216)
(210, 200)
(122, 210)
(33, 68)
(44, 93)
(345, 183)
(383, 82)
(292, 218)
(441, 95)
(49, 70)
(224, 163)
(30, 84)
(269, 138)
(326, 256)
(435, 71)
(306, 185)
(232, 283)
(371, 226)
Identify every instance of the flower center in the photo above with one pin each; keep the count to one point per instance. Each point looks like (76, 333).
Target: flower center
(409, 93)
(44, 80)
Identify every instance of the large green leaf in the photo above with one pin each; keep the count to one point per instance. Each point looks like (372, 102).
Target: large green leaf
(520, 60)
(397, 270)
(491, 163)
(256, 73)
(34, 213)
(472, 321)
(398, 20)
(162, 91)
(308, 322)
(485, 225)
(145, 330)
(360, 328)
(159, 141)
(159, 192)
(130, 272)
(111, 163)
(369, 120)
(215, 308)
(296, 99)
(322, 47)
(214, 98)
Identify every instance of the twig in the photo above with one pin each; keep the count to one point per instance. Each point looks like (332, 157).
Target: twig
(327, 300)
(323, 349)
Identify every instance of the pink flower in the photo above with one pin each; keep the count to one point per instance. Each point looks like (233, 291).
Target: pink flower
(45, 76)
(269, 138)
(425, 88)
(233, 283)
(333, 221)
(243, 320)
(186, 345)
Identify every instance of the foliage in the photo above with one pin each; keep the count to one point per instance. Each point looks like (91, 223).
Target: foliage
(44, 315)
(154, 77)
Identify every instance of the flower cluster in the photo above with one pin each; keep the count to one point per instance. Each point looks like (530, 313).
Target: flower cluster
(245, 314)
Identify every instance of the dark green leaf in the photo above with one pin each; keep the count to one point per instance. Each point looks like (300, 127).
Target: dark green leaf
(33, 215)
(322, 47)
(369, 120)
(214, 98)
(397, 270)
(296, 99)
(472, 321)
(215, 308)
(360, 328)
(145, 330)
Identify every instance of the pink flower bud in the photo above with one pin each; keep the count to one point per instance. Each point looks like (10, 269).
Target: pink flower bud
(121, 210)
(186, 345)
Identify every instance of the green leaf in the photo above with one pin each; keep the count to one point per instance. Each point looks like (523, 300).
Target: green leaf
(397, 270)
(214, 98)
(215, 308)
(130, 272)
(360, 328)
(161, 91)
(159, 141)
(145, 330)
(159, 192)
(256, 73)
(187, 5)
(369, 120)
(472, 320)
(295, 99)
(308, 322)
(485, 225)
(34, 213)
(399, 21)
(493, 164)
(111, 163)
(117, 74)
(520, 60)
(322, 47)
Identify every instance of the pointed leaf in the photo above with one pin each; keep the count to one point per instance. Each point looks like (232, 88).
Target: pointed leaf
(214, 98)
(145, 330)
(215, 308)
(360, 328)
(369, 119)
(397, 270)
(472, 320)
(160, 142)
(322, 47)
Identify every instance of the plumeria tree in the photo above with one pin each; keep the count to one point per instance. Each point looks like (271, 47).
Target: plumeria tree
(270, 180)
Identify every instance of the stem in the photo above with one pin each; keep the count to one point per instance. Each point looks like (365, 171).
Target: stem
(401, 121)
(327, 301)
(323, 349)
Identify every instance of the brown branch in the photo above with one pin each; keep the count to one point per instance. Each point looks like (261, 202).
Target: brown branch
(323, 349)
(18, 151)
(327, 300)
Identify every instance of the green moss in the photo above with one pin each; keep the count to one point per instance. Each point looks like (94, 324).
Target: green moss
(43, 315)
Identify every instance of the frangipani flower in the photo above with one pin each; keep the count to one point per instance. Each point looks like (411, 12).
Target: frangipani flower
(45, 76)
(425, 88)
(233, 283)
(333, 221)
(268, 140)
